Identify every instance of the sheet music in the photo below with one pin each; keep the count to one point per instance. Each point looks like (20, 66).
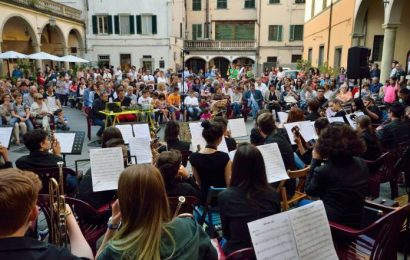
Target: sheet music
(196, 133)
(275, 168)
(283, 117)
(352, 122)
(66, 141)
(312, 232)
(141, 130)
(141, 148)
(336, 119)
(237, 127)
(306, 129)
(126, 131)
(5, 136)
(272, 238)
(106, 167)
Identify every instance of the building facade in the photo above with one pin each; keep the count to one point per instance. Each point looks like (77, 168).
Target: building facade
(258, 33)
(333, 26)
(33, 26)
(145, 34)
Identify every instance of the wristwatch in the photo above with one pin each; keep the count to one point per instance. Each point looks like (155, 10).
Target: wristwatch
(112, 226)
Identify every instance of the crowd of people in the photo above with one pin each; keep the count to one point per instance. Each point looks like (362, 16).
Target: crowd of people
(142, 225)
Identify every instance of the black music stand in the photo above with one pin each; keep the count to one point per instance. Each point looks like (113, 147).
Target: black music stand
(77, 144)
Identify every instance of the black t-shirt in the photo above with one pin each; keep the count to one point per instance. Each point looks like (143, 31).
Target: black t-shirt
(126, 102)
(17, 248)
(176, 145)
(236, 211)
(211, 170)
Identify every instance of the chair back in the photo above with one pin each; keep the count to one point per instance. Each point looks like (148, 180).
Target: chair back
(300, 187)
(185, 157)
(242, 254)
(45, 174)
(212, 196)
(187, 207)
(386, 171)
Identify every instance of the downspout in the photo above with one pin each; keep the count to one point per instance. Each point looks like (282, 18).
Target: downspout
(330, 31)
(259, 37)
(207, 19)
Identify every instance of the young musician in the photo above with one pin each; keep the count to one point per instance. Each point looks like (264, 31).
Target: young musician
(171, 137)
(248, 198)
(18, 197)
(147, 230)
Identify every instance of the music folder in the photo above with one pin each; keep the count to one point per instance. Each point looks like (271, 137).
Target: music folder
(5, 136)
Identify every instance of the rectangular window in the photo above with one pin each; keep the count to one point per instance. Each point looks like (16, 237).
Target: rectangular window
(146, 24)
(124, 24)
(309, 57)
(104, 61)
(196, 31)
(295, 58)
(249, 3)
(324, 4)
(221, 4)
(338, 58)
(296, 33)
(377, 47)
(299, 1)
(321, 55)
(102, 24)
(125, 61)
(235, 31)
(196, 5)
(275, 33)
(274, 1)
(272, 59)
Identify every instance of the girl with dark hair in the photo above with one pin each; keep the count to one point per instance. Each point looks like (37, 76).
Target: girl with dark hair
(171, 137)
(368, 135)
(342, 181)
(210, 166)
(248, 198)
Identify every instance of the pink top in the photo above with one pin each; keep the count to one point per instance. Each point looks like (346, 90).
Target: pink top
(390, 94)
(206, 116)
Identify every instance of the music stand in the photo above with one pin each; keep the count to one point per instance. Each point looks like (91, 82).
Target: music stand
(77, 145)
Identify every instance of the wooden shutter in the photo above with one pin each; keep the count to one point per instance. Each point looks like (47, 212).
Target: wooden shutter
(139, 24)
(199, 30)
(95, 24)
(109, 24)
(194, 32)
(116, 24)
(280, 31)
(292, 33)
(132, 24)
(154, 24)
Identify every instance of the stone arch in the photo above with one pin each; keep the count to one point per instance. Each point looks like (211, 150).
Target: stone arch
(18, 34)
(75, 42)
(394, 12)
(221, 63)
(243, 60)
(53, 40)
(195, 63)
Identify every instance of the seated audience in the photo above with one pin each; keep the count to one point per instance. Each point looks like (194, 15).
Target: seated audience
(4, 158)
(210, 166)
(174, 103)
(313, 110)
(99, 118)
(341, 182)
(344, 94)
(171, 137)
(192, 105)
(255, 136)
(147, 228)
(396, 131)
(254, 98)
(230, 142)
(177, 180)
(371, 110)
(236, 102)
(18, 198)
(366, 132)
(40, 113)
(248, 198)
(335, 105)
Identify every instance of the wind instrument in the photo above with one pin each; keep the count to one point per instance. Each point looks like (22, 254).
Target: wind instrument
(53, 141)
(154, 150)
(58, 212)
(181, 200)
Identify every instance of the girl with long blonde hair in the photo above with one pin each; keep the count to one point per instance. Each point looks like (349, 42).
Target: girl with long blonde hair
(141, 226)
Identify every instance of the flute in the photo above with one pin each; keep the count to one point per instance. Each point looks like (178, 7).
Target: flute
(181, 200)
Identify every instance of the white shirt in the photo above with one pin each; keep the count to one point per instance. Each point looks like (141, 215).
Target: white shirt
(107, 75)
(147, 78)
(145, 102)
(227, 92)
(118, 75)
(262, 88)
(191, 101)
(161, 80)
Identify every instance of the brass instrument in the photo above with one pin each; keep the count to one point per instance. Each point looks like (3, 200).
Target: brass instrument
(154, 150)
(58, 227)
(181, 200)
(53, 141)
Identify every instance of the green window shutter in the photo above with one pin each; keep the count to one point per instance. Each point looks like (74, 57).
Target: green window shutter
(199, 30)
(109, 24)
(194, 32)
(132, 24)
(280, 32)
(292, 33)
(116, 24)
(139, 24)
(95, 24)
(154, 24)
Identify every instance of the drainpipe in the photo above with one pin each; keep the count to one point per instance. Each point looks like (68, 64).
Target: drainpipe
(330, 30)
(259, 38)
(207, 19)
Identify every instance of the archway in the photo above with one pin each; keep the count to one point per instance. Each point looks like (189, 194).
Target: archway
(53, 42)
(75, 43)
(243, 61)
(195, 64)
(221, 64)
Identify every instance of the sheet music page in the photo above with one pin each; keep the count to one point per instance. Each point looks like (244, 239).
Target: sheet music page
(352, 122)
(306, 129)
(141, 130)
(283, 117)
(232, 154)
(106, 167)
(312, 232)
(141, 148)
(5, 136)
(237, 127)
(272, 238)
(66, 141)
(126, 131)
(336, 119)
(275, 168)
(196, 133)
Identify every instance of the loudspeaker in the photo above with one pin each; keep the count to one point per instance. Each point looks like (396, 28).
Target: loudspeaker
(358, 63)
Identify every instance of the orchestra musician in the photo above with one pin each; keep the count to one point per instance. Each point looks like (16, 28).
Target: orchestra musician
(18, 197)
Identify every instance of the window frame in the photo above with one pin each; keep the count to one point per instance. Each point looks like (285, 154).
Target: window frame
(249, 4)
(278, 33)
(144, 26)
(221, 4)
(104, 17)
(274, 2)
(195, 4)
(127, 18)
(292, 32)
(197, 25)
(292, 60)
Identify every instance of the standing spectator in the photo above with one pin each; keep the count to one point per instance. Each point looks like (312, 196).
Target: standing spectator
(390, 91)
(375, 71)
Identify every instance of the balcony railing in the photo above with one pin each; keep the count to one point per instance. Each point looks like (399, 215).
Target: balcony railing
(49, 6)
(219, 45)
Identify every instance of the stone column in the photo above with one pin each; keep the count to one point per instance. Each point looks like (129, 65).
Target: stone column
(389, 43)
(2, 73)
(66, 64)
(39, 63)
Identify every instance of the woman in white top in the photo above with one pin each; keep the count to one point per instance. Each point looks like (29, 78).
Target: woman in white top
(192, 104)
(39, 112)
(161, 78)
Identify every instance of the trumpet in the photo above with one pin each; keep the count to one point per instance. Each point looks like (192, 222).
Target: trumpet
(58, 212)
(181, 200)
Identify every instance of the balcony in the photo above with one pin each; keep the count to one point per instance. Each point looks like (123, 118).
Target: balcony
(206, 45)
(50, 7)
